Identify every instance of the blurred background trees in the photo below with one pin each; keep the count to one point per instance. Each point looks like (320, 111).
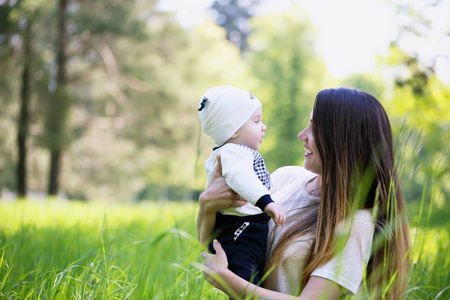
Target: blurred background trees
(98, 100)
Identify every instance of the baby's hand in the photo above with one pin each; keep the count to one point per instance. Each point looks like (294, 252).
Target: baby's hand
(276, 213)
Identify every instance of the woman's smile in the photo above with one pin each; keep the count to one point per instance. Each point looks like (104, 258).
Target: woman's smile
(308, 151)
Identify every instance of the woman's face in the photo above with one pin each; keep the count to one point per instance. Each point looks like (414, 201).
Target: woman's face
(313, 162)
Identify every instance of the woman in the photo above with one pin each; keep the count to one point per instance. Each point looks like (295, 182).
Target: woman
(345, 214)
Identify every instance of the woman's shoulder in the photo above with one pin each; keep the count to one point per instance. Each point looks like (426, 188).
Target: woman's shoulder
(289, 177)
(363, 223)
(363, 216)
(290, 172)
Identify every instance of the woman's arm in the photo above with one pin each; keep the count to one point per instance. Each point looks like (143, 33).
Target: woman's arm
(216, 196)
(205, 226)
(217, 274)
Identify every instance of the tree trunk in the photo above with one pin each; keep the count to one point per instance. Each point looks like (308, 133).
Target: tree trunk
(23, 124)
(55, 161)
(56, 149)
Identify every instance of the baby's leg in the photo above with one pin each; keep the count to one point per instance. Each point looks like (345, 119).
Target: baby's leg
(244, 240)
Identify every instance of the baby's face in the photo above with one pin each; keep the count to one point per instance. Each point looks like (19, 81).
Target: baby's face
(252, 132)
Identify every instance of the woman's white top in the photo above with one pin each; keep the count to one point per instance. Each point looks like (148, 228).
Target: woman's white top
(346, 268)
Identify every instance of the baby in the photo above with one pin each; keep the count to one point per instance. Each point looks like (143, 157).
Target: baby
(232, 117)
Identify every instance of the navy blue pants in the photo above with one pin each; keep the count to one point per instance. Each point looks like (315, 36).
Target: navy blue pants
(244, 240)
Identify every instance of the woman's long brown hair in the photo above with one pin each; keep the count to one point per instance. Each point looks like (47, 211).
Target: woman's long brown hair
(354, 139)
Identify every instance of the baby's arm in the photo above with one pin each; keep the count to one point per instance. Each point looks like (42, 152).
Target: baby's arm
(217, 196)
(237, 166)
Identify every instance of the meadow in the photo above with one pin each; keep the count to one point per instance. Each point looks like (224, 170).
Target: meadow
(75, 250)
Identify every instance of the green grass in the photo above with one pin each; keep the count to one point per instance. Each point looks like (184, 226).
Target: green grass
(71, 250)
(74, 250)
(430, 237)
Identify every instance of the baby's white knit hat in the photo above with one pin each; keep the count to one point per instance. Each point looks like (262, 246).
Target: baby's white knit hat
(224, 109)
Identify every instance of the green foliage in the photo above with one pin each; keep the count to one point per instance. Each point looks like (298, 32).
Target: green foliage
(112, 18)
(427, 109)
(418, 107)
(234, 17)
(134, 79)
(367, 82)
(127, 114)
(57, 136)
(290, 74)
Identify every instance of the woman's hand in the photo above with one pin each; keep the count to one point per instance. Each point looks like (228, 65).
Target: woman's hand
(218, 195)
(216, 265)
(217, 274)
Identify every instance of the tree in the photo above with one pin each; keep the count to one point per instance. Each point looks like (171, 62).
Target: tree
(135, 88)
(290, 75)
(127, 113)
(17, 19)
(10, 62)
(84, 36)
(422, 97)
(367, 82)
(23, 124)
(56, 122)
(234, 16)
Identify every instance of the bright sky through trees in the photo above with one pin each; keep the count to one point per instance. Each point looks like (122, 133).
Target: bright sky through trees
(352, 32)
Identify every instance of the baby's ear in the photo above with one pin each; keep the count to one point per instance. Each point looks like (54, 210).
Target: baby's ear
(235, 135)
